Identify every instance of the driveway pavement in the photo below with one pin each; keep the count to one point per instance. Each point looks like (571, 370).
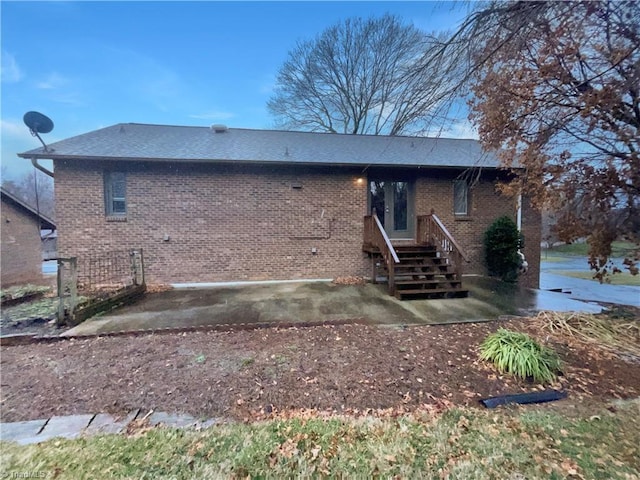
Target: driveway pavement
(580, 289)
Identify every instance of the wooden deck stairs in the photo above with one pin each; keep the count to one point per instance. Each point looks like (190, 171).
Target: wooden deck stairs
(431, 267)
(422, 272)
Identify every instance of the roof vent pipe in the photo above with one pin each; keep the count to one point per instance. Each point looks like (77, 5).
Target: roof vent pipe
(219, 128)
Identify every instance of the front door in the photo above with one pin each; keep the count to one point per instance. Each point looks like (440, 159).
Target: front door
(393, 203)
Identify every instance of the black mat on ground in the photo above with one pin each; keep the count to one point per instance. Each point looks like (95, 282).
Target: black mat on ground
(522, 398)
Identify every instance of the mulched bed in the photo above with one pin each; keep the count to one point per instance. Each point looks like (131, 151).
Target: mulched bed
(247, 374)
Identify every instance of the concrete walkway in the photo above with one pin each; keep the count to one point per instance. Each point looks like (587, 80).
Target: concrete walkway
(74, 426)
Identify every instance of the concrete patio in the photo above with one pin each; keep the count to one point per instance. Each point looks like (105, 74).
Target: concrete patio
(322, 301)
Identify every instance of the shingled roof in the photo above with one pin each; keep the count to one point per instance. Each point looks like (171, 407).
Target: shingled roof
(45, 222)
(134, 141)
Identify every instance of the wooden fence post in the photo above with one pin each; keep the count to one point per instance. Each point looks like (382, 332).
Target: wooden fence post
(73, 288)
(60, 319)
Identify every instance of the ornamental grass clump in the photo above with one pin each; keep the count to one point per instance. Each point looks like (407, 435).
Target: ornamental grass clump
(518, 354)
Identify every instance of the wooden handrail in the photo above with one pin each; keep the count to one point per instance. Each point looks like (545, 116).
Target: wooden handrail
(449, 237)
(431, 231)
(387, 242)
(374, 235)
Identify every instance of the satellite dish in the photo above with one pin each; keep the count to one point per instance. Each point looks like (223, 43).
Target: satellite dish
(38, 123)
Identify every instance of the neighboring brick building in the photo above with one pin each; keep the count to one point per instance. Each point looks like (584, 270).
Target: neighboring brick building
(213, 205)
(21, 240)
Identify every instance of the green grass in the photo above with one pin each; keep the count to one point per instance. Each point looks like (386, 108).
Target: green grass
(619, 249)
(532, 442)
(44, 308)
(624, 278)
(20, 291)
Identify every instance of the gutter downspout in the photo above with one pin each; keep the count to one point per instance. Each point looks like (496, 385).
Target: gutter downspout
(34, 162)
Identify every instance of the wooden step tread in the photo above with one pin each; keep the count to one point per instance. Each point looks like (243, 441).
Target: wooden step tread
(437, 269)
(416, 265)
(426, 253)
(427, 279)
(433, 281)
(442, 292)
(421, 258)
(422, 265)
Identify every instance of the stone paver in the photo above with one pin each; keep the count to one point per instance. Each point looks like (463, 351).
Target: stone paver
(16, 430)
(207, 423)
(70, 426)
(172, 420)
(104, 423)
(73, 426)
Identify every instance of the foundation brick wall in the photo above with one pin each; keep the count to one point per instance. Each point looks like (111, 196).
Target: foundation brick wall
(239, 223)
(21, 246)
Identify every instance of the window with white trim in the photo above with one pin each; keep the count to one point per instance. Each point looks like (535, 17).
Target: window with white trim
(115, 194)
(460, 197)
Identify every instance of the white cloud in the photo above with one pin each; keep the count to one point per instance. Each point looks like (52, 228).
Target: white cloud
(52, 82)
(72, 99)
(462, 129)
(14, 130)
(213, 115)
(10, 71)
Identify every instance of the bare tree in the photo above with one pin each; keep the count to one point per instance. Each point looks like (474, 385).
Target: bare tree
(556, 90)
(35, 189)
(358, 77)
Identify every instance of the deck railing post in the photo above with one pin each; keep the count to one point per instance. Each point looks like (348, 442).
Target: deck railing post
(392, 276)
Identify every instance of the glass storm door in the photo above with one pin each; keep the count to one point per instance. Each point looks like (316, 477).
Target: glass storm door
(393, 204)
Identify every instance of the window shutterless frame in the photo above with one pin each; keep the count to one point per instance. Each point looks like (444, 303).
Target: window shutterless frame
(115, 194)
(460, 197)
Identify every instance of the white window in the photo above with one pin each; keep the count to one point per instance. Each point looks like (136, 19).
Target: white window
(115, 194)
(460, 197)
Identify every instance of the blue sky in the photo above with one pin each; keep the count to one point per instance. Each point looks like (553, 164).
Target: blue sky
(88, 65)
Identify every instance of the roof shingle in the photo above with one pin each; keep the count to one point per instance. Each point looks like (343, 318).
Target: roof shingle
(132, 141)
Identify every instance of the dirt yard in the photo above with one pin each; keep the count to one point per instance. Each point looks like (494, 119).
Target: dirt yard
(247, 374)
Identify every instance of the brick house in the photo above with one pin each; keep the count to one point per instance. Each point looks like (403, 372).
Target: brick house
(218, 204)
(21, 240)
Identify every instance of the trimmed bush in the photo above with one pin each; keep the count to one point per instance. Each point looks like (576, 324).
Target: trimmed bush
(518, 354)
(501, 243)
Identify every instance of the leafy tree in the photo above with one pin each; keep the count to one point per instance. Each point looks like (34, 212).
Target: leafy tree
(556, 89)
(358, 77)
(501, 243)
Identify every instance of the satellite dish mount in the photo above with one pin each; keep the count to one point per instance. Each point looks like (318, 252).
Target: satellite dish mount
(38, 123)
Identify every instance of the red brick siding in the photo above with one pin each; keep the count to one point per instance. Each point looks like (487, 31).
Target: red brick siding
(21, 246)
(532, 230)
(434, 190)
(229, 223)
(224, 223)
